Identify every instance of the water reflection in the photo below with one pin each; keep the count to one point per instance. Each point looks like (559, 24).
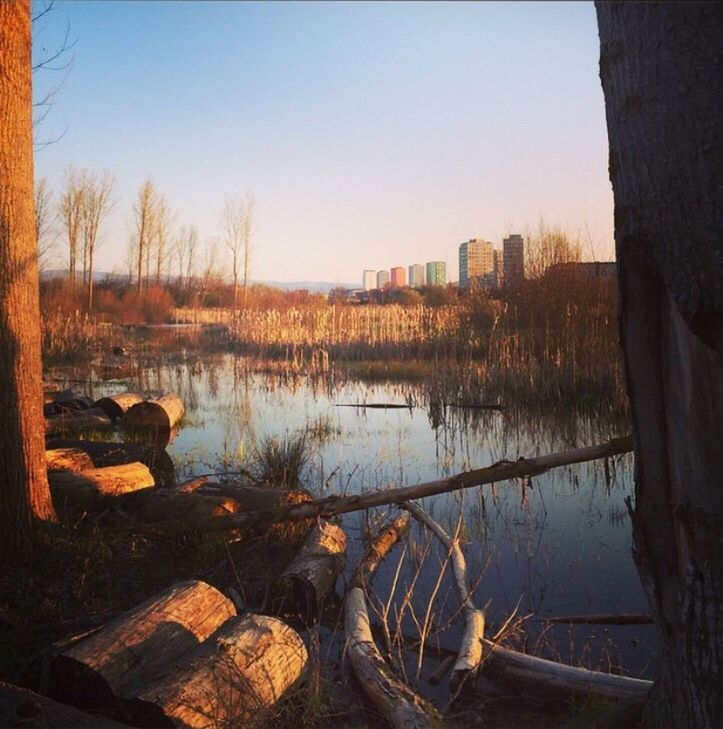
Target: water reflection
(559, 543)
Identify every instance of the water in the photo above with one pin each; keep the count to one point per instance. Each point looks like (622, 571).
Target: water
(558, 545)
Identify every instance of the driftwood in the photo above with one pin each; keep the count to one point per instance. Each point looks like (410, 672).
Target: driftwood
(115, 406)
(160, 413)
(395, 701)
(116, 454)
(470, 650)
(311, 576)
(246, 667)
(93, 487)
(332, 505)
(550, 675)
(137, 645)
(22, 708)
(68, 459)
(91, 419)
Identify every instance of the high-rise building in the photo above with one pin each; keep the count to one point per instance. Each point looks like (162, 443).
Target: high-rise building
(436, 273)
(513, 255)
(498, 274)
(416, 274)
(476, 260)
(382, 279)
(398, 277)
(369, 280)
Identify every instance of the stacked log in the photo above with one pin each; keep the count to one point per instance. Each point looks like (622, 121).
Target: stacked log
(183, 658)
(246, 667)
(91, 419)
(307, 581)
(68, 459)
(116, 454)
(159, 413)
(138, 644)
(116, 406)
(93, 487)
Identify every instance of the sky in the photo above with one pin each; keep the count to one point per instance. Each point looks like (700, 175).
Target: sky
(371, 134)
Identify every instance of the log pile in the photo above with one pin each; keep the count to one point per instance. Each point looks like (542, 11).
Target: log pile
(182, 658)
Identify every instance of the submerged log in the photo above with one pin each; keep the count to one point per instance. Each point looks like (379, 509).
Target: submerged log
(92, 419)
(138, 645)
(332, 505)
(394, 700)
(158, 412)
(68, 459)
(116, 454)
(552, 676)
(22, 708)
(311, 576)
(115, 406)
(469, 656)
(246, 667)
(93, 487)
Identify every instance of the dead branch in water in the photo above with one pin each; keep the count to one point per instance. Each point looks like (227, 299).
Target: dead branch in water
(331, 505)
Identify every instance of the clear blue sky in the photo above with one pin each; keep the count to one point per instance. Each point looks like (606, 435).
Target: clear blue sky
(372, 134)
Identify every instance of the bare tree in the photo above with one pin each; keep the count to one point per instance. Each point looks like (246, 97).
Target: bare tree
(161, 235)
(247, 230)
(660, 66)
(186, 245)
(549, 246)
(25, 494)
(144, 216)
(233, 215)
(45, 217)
(97, 203)
(70, 211)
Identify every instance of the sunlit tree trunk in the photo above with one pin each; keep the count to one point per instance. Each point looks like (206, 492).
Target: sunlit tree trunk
(24, 492)
(660, 65)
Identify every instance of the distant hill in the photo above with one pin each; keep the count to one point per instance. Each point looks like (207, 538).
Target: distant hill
(316, 287)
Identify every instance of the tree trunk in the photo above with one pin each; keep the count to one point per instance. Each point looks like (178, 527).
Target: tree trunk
(24, 491)
(661, 75)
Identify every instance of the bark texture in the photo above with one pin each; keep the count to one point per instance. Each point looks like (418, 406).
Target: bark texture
(660, 65)
(24, 491)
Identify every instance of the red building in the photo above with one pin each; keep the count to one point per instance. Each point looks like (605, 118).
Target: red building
(398, 277)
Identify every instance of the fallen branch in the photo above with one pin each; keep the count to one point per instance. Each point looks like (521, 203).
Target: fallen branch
(332, 505)
(469, 656)
(602, 619)
(397, 703)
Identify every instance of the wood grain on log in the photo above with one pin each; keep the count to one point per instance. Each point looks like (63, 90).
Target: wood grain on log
(246, 667)
(394, 700)
(68, 459)
(94, 486)
(161, 412)
(311, 576)
(115, 406)
(138, 645)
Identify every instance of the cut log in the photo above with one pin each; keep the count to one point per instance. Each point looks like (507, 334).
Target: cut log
(245, 668)
(394, 700)
(116, 454)
(552, 676)
(22, 708)
(312, 574)
(335, 504)
(92, 419)
(160, 413)
(152, 505)
(115, 406)
(470, 650)
(68, 459)
(254, 498)
(94, 487)
(138, 645)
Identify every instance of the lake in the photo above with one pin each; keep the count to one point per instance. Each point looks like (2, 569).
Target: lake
(559, 544)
